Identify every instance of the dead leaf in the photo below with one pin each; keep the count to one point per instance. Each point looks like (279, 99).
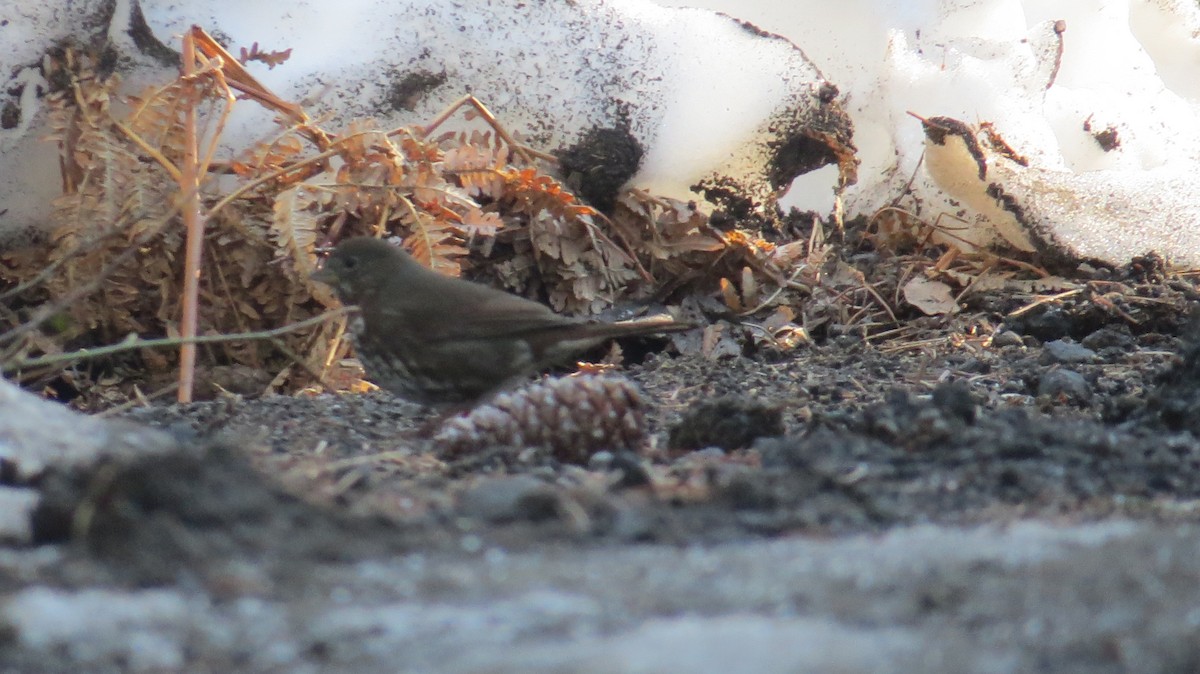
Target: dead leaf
(932, 297)
(717, 342)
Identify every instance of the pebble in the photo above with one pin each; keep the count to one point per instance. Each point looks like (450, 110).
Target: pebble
(1065, 384)
(506, 499)
(1006, 338)
(1059, 351)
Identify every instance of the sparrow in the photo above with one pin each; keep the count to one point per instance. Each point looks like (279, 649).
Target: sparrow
(438, 340)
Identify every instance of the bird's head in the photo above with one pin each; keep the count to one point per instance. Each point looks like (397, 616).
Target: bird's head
(361, 267)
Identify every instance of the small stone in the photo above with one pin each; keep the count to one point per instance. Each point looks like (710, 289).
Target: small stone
(1059, 351)
(1006, 338)
(1054, 323)
(954, 399)
(974, 365)
(1065, 384)
(508, 499)
(1110, 337)
(600, 461)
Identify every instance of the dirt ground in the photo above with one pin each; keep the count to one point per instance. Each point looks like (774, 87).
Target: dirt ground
(995, 494)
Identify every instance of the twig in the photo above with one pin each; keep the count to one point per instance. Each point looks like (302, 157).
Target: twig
(989, 266)
(1044, 300)
(140, 400)
(214, 135)
(487, 116)
(295, 357)
(334, 344)
(914, 345)
(882, 302)
(239, 78)
(1060, 27)
(135, 343)
(193, 222)
(229, 198)
(150, 151)
(641, 270)
(889, 333)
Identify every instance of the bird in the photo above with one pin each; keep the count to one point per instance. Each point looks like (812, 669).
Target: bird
(438, 340)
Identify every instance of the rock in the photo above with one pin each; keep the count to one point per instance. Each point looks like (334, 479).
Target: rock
(1065, 384)
(1059, 351)
(507, 499)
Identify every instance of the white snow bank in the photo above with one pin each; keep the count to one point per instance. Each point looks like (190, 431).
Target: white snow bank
(1126, 72)
(707, 98)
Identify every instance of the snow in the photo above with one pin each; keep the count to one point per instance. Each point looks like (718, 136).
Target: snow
(1128, 64)
(701, 91)
(16, 507)
(37, 433)
(696, 85)
(145, 629)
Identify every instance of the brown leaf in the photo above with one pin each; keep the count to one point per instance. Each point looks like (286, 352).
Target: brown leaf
(932, 297)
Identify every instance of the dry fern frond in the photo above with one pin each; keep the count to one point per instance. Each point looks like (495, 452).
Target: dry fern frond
(120, 192)
(295, 229)
(477, 163)
(666, 228)
(453, 199)
(271, 58)
(111, 189)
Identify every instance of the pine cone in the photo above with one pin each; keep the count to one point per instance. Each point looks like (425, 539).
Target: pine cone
(571, 418)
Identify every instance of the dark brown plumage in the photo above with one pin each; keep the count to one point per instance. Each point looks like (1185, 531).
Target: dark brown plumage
(434, 339)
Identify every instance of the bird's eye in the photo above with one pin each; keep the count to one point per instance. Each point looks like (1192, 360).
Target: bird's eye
(349, 263)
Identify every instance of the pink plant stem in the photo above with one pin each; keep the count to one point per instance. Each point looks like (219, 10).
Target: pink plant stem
(193, 222)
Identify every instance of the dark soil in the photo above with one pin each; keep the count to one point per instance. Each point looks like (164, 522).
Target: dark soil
(829, 439)
(1085, 409)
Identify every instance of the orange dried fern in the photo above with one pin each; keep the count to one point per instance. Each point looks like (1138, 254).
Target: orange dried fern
(454, 199)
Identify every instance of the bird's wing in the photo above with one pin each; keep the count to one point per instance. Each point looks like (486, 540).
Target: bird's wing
(497, 317)
(467, 312)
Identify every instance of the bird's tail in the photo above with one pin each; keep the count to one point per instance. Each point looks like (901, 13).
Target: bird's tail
(652, 325)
